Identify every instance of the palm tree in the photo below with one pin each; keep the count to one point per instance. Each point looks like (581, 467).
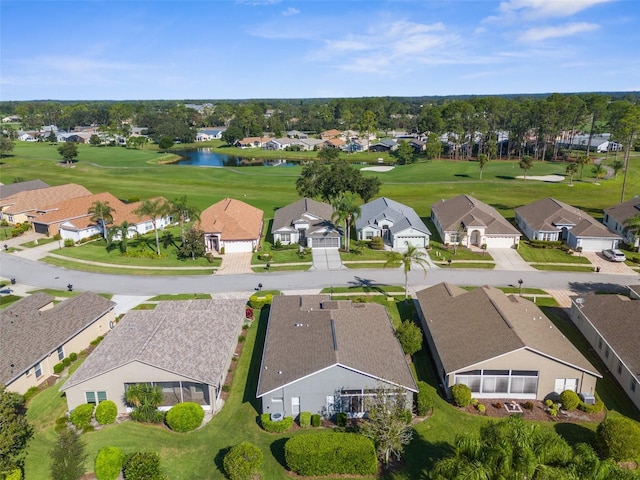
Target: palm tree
(582, 160)
(185, 212)
(102, 212)
(123, 231)
(571, 170)
(155, 209)
(406, 259)
(599, 171)
(617, 166)
(633, 226)
(145, 399)
(345, 209)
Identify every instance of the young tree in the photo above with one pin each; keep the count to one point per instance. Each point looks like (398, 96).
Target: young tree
(328, 154)
(386, 424)
(433, 147)
(193, 244)
(405, 153)
(525, 164)
(179, 207)
(6, 145)
(123, 231)
(144, 399)
(52, 138)
(95, 140)
(482, 162)
(410, 336)
(345, 209)
(599, 171)
(15, 431)
(582, 160)
(617, 166)
(410, 256)
(571, 170)
(68, 456)
(102, 213)
(69, 151)
(155, 210)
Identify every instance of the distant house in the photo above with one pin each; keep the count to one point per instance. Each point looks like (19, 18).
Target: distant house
(185, 347)
(252, 142)
(297, 134)
(231, 225)
(328, 134)
(326, 356)
(552, 220)
(356, 145)
(280, 143)
(311, 143)
(599, 143)
(388, 145)
(35, 335)
(13, 188)
(611, 325)
(396, 223)
(15, 208)
(306, 222)
(336, 143)
(28, 137)
(465, 219)
(206, 134)
(616, 217)
(499, 345)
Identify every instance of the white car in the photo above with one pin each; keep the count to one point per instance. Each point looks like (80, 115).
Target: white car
(614, 255)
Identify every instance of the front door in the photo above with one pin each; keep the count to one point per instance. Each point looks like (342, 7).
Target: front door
(295, 406)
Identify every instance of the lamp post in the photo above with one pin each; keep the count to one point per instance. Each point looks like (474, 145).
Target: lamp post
(520, 282)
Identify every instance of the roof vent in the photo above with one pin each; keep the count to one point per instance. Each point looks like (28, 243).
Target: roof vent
(299, 325)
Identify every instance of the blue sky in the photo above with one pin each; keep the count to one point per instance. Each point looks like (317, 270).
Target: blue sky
(122, 50)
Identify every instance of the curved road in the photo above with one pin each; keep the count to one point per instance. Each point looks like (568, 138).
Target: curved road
(47, 276)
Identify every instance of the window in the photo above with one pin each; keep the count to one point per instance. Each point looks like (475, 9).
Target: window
(95, 397)
(599, 344)
(37, 368)
(563, 384)
(60, 353)
(606, 352)
(633, 384)
(499, 381)
(619, 367)
(285, 237)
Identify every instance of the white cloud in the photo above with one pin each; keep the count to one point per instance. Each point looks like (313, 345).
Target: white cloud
(290, 11)
(533, 9)
(543, 33)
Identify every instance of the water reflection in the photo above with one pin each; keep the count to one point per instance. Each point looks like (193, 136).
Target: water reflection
(205, 157)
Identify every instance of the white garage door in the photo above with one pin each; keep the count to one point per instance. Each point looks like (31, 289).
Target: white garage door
(401, 242)
(238, 247)
(330, 242)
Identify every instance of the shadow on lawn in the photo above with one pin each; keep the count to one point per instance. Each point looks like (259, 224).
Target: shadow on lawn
(218, 460)
(256, 356)
(367, 285)
(574, 433)
(277, 450)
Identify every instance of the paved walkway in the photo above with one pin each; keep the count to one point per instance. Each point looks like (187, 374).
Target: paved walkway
(326, 259)
(562, 297)
(235, 263)
(508, 259)
(598, 260)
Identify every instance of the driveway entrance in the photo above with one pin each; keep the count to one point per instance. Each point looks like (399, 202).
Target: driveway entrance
(326, 259)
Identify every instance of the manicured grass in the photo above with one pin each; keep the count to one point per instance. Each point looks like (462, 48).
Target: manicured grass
(457, 264)
(548, 255)
(181, 296)
(440, 252)
(372, 288)
(288, 255)
(121, 271)
(7, 300)
(145, 306)
(534, 291)
(356, 265)
(562, 268)
(36, 243)
(56, 293)
(282, 268)
(364, 255)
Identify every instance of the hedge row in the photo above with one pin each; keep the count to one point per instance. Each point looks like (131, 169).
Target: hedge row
(331, 453)
(259, 301)
(275, 427)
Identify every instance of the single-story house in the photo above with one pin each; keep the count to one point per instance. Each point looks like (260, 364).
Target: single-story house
(35, 335)
(499, 345)
(297, 134)
(616, 218)
(310, 144)
(396, 223)
(231, 226)
(206, 134)
(599, 143)
(356, 145)
(611, 325)
(280, 143)
(552, 220)
(306, 222)
(183, 346)
(14, 209)
(326, 356)
(336, 143)
(13, 188)
(332, 133)
(465, 219)
(29, 137)
(252, 142)
(388, 145)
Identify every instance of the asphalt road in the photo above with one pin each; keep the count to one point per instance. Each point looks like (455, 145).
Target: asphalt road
(46, 276)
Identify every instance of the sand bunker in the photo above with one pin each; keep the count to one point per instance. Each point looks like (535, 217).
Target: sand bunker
(378, 169)
(544, 178)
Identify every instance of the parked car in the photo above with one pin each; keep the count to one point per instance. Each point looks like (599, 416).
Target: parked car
(614, 255)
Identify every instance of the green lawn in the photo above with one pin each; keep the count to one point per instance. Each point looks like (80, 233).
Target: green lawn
(282, 268)
(122, 271)
(440, 252)
(368, 289)
(457, 264)
(561, 268)
(7, 300)
(181, 296)
(548, 255)
(35, 243)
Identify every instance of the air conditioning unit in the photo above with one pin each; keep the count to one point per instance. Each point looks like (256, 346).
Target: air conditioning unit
(277, 416)
(588, 398)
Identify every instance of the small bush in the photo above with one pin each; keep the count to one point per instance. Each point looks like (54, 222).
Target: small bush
(406, 416)
(548, 402)
(242, 461)
(258, 302)
(15, 475)
(410, 337)
(595, 408)
(554, 409)
(80, 417)
(58, 368)
(481, 408)
(73, 356)
(68, 242)
(143, 466)
(528, 405)
(66, 361)
(108, 463)
(305, 419)
(226, 388)
(569, 400)
(241, 338)
(106, 412)
(331, 453)
(474, 402)
(424, 402)
(275, 427)
(96, 340)
(376, 243)
(461, 394)
(184, 417)
(316, 420)
(497, 405)
(619, 438)
(341, 419)
(29, 394)
(61, 424)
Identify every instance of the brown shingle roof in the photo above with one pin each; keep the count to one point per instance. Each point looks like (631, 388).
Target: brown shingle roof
(308, 333)
(74, 209)
(233, 219)
(31, 200)
(471, 212)
(27, 335)
(469, 327)
(192, 338)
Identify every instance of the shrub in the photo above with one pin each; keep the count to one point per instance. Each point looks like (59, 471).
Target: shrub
(61, 424)
(406, 416)
(68, 242)
(275, 427)
(316, 420)
(73, 356)
(66, 361)
(548, 402)
(461, 394)
(424, 402)
(242, 461)
(595, 408)
(29, 394)
(569, 399)
(241, 338)
(497, 405)
(96, 340)
(331, 453)
(376, 243)
(410, 336)
(58, 368)
(481, 408)
(184, 417)
(554, 409)
(106, 412)
(80, 417)
(474, 402)
(15, 475)
(341, 419)
(108, 463)
(619, 438)
(259, 301)
(143, 466)
(528, 405)
(305, 419)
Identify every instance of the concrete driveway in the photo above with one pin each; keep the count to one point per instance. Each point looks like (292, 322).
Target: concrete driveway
(509, 259)
(326, 259)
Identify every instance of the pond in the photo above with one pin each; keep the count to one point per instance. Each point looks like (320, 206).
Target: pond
(206, 157)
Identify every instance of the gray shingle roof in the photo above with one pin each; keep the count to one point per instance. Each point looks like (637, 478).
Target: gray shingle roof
(317, 214)
(27, 335)
(192, 338)
(401, 215)
(469, 327)
(624, 211)
(13, 188)
(471, 212)
(617, 319)
(308, 333)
